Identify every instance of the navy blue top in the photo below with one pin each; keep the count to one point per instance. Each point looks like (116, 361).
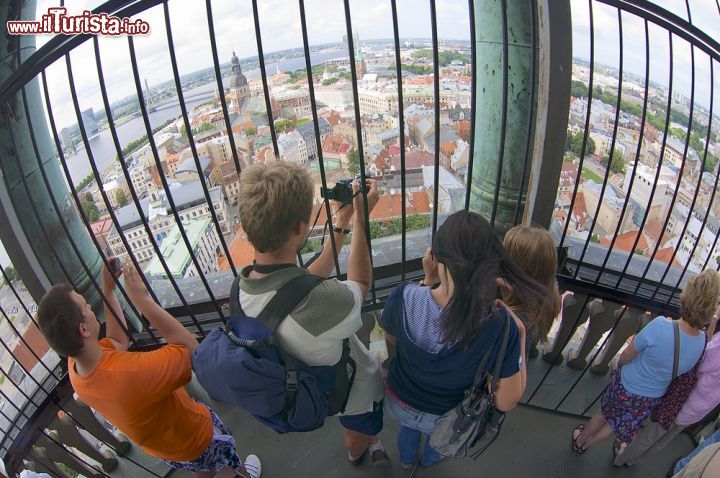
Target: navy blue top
(435, 381)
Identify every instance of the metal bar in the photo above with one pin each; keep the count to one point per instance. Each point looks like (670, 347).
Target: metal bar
(17, 296)
(590, 362)
(263, 77)
(671, 22)
(531, 111)
(56, 207)
(660, 162)
(12, 288)
(34, 354)
(358, 128)
(583, 148)
(612, 144)
(635, 164)
(401, 130)
(22, 392)
(552, 365)
(168, 193)
(679, 180)
(10, 352)
(93, 166)
(699, 182)
(503, 114)
(473, 87)
(193, 148)
(717, 236)
(436, 94)
(136, 201)
(221, 88)
(316, 128)
(103, 193)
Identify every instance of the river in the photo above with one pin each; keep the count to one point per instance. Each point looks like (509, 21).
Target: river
(102, 146)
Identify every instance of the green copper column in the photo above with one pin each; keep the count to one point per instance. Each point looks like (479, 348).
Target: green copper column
(25, 184)
(489, 104)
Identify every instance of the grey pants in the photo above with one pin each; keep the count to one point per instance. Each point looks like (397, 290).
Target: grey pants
(651, 438)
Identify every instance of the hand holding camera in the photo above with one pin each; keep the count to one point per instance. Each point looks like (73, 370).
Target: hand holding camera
(111, 272)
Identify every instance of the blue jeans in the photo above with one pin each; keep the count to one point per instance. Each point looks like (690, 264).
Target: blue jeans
(714, 438)
(413, 424)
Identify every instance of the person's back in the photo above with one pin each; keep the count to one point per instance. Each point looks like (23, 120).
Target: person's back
(427, 373)
(443, 328)
(142, 394)
(275, 203)
(706, 394)
(315, 330)
(650, 373)
(533, 250)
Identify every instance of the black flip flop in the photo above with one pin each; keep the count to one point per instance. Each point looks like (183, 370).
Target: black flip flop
(577, 449)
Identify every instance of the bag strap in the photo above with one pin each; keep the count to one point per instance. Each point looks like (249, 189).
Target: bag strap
(501, 355)
(287, 298)
(481, 370)
(676, 332)
(235, 307)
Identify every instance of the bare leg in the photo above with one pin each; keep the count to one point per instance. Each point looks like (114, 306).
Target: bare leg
(356, 443)
(595, 431)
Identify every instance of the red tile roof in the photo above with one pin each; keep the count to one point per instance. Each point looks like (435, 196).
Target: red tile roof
(626, 241)
(101, 227)
(335, 144)
(241, 251)
(34, 339)
(664, 255)
(391, 206)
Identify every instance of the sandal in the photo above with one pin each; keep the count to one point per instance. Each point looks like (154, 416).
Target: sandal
(618, 448)
(577, 448)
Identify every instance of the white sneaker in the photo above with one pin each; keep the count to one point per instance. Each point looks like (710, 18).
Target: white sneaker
(253, 466)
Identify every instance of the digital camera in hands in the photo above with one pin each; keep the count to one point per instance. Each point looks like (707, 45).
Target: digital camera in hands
(341, 192)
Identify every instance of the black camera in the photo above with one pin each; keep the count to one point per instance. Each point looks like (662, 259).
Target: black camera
(115, 266)
(341, 192)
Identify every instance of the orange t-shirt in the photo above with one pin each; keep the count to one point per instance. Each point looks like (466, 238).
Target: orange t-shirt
(142, 394)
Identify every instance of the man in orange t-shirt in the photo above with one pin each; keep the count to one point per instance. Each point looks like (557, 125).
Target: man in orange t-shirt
(140, 393)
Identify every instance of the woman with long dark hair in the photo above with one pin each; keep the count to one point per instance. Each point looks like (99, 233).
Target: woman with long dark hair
(442, 332)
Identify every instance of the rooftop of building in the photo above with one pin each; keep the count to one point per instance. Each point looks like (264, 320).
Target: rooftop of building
(173, 248)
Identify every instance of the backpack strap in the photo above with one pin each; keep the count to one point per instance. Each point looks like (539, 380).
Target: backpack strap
(234, 300)
(287, 298)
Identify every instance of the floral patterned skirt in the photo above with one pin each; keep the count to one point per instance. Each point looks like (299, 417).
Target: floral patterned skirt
(624, 411)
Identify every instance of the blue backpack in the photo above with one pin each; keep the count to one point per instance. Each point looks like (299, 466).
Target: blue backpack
(242, 365)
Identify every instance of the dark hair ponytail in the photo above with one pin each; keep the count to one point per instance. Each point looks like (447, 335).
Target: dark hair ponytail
(472, 253)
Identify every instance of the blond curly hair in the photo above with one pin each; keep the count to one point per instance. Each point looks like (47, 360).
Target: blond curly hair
(699, 299)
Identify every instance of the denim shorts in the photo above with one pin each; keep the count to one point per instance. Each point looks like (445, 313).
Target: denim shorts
(369, 423)
(408, 416)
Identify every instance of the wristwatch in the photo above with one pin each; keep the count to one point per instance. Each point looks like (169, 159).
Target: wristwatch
(340, 230)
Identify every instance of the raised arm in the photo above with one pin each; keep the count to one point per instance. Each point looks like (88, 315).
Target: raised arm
(113, 330)
(359, 268)
(324, 264)
(166, 324)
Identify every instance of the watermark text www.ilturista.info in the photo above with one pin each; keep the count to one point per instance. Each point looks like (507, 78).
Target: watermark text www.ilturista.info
(57, 21)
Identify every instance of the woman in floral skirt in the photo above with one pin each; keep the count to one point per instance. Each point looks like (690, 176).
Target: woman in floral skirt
(646, 366)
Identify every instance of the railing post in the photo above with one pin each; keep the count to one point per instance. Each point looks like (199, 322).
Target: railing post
(492, 106)
(30, 253)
